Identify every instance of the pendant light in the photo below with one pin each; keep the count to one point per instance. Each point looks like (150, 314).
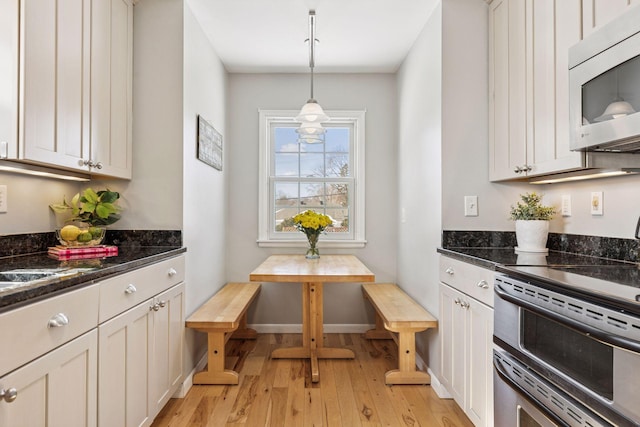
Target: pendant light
(311, 115)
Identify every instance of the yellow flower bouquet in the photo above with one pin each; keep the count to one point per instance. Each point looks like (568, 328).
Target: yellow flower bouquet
(312, 224)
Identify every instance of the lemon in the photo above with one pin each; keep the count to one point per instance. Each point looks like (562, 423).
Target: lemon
(84, 237)
(69, 233)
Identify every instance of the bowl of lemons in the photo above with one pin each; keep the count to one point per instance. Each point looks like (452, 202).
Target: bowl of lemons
(80, 235)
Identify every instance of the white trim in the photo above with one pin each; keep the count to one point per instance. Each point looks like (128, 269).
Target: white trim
(357, 117)
(296, 328)
(186, 385)
(436, 385)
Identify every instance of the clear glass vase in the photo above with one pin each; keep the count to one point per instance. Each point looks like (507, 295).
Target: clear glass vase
(313, 252)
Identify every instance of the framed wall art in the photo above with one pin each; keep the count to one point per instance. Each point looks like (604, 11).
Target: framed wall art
(209, 144)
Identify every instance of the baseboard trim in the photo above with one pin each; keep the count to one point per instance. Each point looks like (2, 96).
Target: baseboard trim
(436, 385)
(292, 328)
(188, 380)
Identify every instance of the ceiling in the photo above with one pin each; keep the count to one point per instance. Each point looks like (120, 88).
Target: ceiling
(268, 36)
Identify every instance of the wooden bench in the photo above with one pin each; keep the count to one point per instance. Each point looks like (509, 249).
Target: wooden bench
(222, 317)
(399, 317)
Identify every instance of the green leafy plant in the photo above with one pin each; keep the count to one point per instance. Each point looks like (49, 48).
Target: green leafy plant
(531, 209)
(95, 208)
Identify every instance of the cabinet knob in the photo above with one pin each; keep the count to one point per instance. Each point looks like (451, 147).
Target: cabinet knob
(58, 320)
(162, 304)
(457, 301)
(517, 169)
(98, 165)
(465, 305)
(90, 163)
(9, 395)
(154, 307)
(449, 271)
(131, 289)
(483, 284)
(172, 272)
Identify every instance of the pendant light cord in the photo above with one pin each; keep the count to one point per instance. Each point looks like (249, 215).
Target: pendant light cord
(312, 42)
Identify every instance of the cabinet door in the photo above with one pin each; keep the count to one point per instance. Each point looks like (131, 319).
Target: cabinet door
(166, 357)
(596, 13)
(123, 371)
(453, 332)
(111, 89)
(479, 407)
(9, 20)
(55, 82)
(55, 390)
(507, 89)
(552, 28)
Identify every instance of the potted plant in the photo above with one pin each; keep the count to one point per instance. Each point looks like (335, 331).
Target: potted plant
(86, 217)
(532, 223)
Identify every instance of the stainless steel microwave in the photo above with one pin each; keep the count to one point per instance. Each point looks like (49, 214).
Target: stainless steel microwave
(604, 87)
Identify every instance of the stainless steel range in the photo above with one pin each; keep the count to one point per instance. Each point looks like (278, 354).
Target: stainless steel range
(567, 345)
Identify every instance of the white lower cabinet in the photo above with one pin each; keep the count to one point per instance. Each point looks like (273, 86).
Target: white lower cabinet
(55, 390)
(140, 360)
(466, 329)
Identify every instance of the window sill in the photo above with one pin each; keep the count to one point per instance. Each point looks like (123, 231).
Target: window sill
(339, 244)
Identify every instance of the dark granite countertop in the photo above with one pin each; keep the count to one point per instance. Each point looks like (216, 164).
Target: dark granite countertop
(86, 271)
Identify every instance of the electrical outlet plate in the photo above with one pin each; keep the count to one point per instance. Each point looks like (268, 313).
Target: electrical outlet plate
(470, 205)
(597, 205)
(566, 205)
(3, 198)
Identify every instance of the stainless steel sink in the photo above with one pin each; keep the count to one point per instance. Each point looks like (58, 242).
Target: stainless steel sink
(24, 277)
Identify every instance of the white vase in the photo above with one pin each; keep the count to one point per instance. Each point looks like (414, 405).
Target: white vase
(532, 235)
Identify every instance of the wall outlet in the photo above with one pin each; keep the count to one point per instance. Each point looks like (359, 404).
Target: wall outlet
(3, 198)
(597, 204)
(470, 205)
(566, 205)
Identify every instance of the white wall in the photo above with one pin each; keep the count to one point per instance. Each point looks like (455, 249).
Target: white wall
(28, 199)
(419, 174)
(280, 303)
(204, 189)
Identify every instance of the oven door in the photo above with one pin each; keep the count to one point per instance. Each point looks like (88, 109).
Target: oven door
(554, 334)
(523, 398)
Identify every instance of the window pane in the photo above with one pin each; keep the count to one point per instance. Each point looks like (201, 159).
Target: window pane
(286, 194)
(286, 140)
(312, 165)
(338, 165)
(337, 195)
(312, 195)
(286, 164)
(337, 140)
(340, 220)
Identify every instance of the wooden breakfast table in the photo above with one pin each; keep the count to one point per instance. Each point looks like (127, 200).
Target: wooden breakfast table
(312, 273)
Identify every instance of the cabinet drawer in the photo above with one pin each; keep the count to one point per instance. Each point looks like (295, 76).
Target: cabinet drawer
(28, 332)
(122, 292)
(477, 282)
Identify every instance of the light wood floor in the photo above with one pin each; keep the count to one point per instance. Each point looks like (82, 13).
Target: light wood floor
(279, 392)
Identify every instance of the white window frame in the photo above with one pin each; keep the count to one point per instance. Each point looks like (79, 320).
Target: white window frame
(356, 239)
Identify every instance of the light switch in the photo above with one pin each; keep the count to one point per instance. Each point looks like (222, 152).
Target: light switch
(470, 205)
(3, 198)
(597, 204)
(566, 205)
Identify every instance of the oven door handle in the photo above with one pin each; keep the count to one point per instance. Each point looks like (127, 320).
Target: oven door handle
(598, 334)
(539, 405)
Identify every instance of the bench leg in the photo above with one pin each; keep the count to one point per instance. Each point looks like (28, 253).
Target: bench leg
(407, 373)
(379, 333)
(215, 372)
(244, 333)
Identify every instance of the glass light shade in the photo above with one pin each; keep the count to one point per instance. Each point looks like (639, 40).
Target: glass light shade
(312, 112)
(311, 133)
(614, 110)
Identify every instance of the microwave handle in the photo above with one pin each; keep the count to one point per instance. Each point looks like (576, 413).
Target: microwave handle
(602, 336)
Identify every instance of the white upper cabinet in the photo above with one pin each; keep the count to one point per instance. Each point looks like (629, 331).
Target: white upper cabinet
(528, 69)
(596, 13)
(72, 107)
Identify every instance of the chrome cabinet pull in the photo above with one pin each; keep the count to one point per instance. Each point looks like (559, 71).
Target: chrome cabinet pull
(457, 301)
(465, 305)
(58, 320)
(154, 307)
(517, 169)
(90, 163)
(172, 272)
(9, 395)
(131, 289)
(162, 304)
(449, 271)
(483, 284)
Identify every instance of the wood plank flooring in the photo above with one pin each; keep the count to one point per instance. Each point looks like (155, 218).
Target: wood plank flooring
(279, 392)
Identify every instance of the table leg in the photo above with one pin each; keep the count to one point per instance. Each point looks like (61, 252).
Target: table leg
(312, 333)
